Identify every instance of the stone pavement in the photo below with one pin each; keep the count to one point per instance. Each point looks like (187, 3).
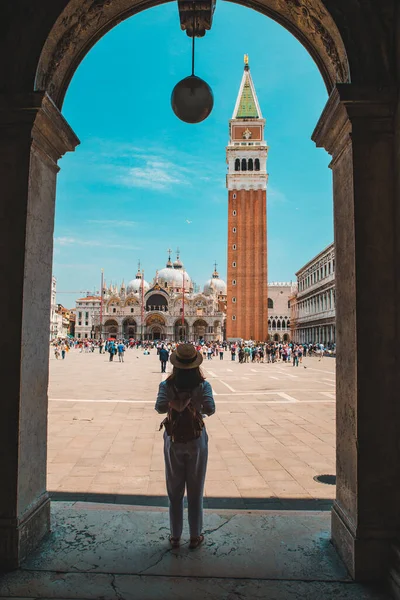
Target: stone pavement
(273, 431)
(122, 553)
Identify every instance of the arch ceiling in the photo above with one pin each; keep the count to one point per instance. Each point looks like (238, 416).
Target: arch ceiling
(83, 22)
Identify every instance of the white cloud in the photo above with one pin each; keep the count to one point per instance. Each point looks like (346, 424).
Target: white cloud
(276, 195)
(71, 241)
(113, 222)
(156, 174)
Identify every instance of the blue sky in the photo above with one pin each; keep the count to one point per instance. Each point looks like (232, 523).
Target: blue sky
(139, 173)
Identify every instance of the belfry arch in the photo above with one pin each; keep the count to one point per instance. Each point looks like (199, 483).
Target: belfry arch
(354, 51)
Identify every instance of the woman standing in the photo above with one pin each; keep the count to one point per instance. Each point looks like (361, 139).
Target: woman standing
(185, 396)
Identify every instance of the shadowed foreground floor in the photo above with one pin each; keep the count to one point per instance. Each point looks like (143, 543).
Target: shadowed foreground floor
(115, 552)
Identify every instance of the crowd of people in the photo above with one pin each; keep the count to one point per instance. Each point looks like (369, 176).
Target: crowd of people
(243, 352)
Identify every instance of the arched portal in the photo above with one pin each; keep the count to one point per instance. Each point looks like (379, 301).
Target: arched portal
(200, 329)
(129, 327)
(155, 327)
(111, 328)
(356, 128)
(181, 330)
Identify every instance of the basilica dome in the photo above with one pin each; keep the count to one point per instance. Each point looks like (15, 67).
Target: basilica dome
(173, 275)
(170, 277)
(215, 285)
(135, 286)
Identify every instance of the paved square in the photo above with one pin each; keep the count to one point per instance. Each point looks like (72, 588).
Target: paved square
(273, 430)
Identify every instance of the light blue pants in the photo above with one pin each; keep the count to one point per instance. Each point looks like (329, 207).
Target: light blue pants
(185, 466)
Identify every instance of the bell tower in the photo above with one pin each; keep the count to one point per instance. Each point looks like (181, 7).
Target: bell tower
(246, 156)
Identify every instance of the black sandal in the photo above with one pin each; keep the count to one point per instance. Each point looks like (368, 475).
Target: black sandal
(196, 542)
(175, 542)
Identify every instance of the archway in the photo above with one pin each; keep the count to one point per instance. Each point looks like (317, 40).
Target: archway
(111, 328)
(357, 128)
(155, 327)
(129, 328)
(200, 330)
(156, 302)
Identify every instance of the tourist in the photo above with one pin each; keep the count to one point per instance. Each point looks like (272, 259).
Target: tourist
(300, 353)
(185, 396)
(209, 352)
(164, 355)
(111, 350)
(233, 352)
(121, 350)
(221, 352)
(247, 353)
(63, 350)
(295, 354)
(241, 354)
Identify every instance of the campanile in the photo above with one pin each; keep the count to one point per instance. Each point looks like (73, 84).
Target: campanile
(246, 156)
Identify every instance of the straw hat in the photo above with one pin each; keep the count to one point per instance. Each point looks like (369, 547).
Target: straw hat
(186, 357)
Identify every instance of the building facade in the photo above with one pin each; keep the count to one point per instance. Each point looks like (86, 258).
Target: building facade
(313, 316)
(279, 294)
(166, 309)
(53, 309)
(246, 156)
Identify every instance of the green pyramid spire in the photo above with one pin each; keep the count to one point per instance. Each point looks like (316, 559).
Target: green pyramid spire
(247, 105)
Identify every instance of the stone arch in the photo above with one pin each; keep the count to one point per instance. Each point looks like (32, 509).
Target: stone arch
(129, 328)
(111, 328)
(181, 330)
(82, 23)
(200, 329)
(366, 107)
(131, 301)
(155, 319)
(156, 302)
(270, 303)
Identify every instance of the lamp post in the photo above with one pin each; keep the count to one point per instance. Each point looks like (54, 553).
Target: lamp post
(142, 315)
(183, 304)
(101, 304)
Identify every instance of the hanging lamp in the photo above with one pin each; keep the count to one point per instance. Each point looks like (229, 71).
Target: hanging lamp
(192, 99)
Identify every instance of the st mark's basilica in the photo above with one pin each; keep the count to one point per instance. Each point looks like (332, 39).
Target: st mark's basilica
(168, 308)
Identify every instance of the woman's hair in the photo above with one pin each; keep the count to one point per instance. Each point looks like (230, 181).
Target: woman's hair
(185, 379)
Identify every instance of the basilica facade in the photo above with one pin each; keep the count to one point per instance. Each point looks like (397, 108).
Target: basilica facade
(168, 308)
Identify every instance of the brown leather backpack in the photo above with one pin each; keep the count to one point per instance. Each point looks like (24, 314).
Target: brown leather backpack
(185, 426)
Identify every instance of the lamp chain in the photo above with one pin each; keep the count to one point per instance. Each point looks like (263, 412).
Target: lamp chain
(194, 23)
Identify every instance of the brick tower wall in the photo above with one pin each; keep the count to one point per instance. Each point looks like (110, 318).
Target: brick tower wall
(247, 212)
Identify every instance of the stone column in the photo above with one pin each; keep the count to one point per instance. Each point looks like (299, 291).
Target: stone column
(33, 136)
(357, 129)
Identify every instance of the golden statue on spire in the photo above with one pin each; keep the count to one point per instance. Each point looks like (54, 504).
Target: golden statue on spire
(246, 59)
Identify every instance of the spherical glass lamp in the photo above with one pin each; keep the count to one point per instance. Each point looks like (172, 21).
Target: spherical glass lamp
(192, 99)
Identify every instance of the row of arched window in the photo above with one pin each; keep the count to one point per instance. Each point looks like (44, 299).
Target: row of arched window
(247, 164)
(278, 324)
